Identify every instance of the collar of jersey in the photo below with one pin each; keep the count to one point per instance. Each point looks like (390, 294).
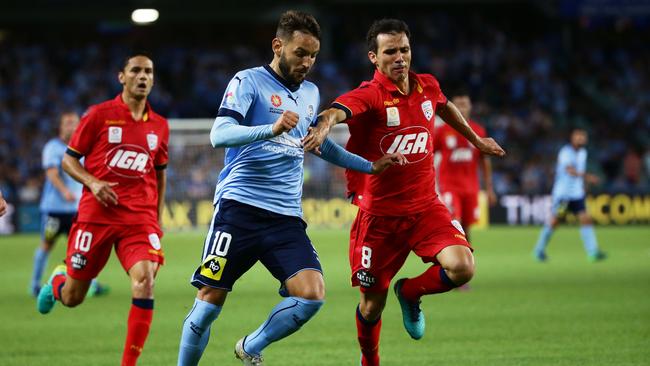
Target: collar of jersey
(391, 87)
(122, 104)
(292, 87)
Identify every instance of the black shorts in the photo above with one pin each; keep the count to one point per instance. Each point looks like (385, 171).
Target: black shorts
(240, 235)
(54, 224)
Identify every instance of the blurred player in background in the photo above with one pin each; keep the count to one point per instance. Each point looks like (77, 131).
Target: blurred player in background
(458, 181)
(124, 144)
(264, 114)
(3, 205)
(569, 195)
(59, 201)
(399, 211)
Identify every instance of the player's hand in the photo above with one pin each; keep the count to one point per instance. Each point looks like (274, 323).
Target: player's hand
(69, 196)
(315, 137)
(488, 146)
(387, 161)
(591, 179)
(287, 121)
(492, 197)
(3, 206)
(103, 192)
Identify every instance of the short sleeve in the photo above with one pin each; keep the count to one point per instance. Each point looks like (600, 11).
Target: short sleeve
(564, 158)
(238, 97)
(51, 157)
(162, 156)
(357, 101)
(84, 135)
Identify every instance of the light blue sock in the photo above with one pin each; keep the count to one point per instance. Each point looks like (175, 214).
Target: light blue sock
(196, 332)
(588, 235)
(40, 262)
(544, 238)
(287, 317)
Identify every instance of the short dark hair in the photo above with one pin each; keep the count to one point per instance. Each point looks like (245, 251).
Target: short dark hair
(459, 91)
(385, 26)
(132, 54)
(296, 20)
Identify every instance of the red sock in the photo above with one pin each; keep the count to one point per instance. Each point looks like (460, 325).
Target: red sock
(433, 281)
(137, 331)
(368, 335)
(57, 284)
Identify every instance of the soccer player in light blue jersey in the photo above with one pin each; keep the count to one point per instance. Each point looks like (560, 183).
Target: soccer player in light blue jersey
(59, 200)
(569, 195)
(264, 115)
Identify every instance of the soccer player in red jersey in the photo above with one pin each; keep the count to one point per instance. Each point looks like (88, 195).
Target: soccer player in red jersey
(458, 181)
(124, 143)
(399, 212)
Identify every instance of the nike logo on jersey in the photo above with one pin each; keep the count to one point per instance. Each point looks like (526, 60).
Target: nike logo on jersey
(412, 141)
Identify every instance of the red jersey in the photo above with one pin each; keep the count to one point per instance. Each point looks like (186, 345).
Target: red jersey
(383, 120)
(458, 169)
(119, 149)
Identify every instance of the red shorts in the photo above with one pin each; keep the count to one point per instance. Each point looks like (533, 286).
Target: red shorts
(463, 206)
(89, 246)
(379, 245)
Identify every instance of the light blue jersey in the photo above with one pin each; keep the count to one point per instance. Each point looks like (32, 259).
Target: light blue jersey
(266, 171)
(567, 186)
(51, 199)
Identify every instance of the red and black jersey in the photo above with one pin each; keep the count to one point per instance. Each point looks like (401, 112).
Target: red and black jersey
(383, 120)
(117, 148)
(458, 169)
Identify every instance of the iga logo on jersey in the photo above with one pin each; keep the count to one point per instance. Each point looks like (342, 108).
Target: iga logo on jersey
(129, 161)
(412, 141)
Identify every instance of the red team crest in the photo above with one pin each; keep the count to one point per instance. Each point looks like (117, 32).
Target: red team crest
(276, 100)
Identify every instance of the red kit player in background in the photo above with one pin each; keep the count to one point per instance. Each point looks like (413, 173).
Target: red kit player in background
(124, 144)
(458, 181)
(398, 210)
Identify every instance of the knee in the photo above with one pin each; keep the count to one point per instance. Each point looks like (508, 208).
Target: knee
(586, 220)
(215, 296)
(142, 285)
(73, 298)
(371, 310)
(461, 270)
(315, 292)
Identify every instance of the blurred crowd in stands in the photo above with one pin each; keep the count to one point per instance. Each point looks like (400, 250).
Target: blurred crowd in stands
(529, 87)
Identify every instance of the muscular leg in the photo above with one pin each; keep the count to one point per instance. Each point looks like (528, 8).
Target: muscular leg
(142, 275)
(198, 324)
(307, 291)
(368, 319)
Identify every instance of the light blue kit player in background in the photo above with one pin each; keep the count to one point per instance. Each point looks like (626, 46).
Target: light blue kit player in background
(569, 195)
(264, 115)
(59, 201)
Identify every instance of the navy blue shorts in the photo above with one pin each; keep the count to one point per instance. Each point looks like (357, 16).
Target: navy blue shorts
(561, 207)
(54, 224)
(240, 235)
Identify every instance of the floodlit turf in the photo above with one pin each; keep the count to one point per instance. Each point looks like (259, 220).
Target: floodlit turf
(518, 312)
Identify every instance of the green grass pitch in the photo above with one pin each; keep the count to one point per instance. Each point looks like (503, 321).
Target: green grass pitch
(518, 312)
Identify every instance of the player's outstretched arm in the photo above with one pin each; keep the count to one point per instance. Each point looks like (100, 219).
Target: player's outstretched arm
(330, 151)
(226, 132)
(102, 190)
(317, 134)
(452, 116)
